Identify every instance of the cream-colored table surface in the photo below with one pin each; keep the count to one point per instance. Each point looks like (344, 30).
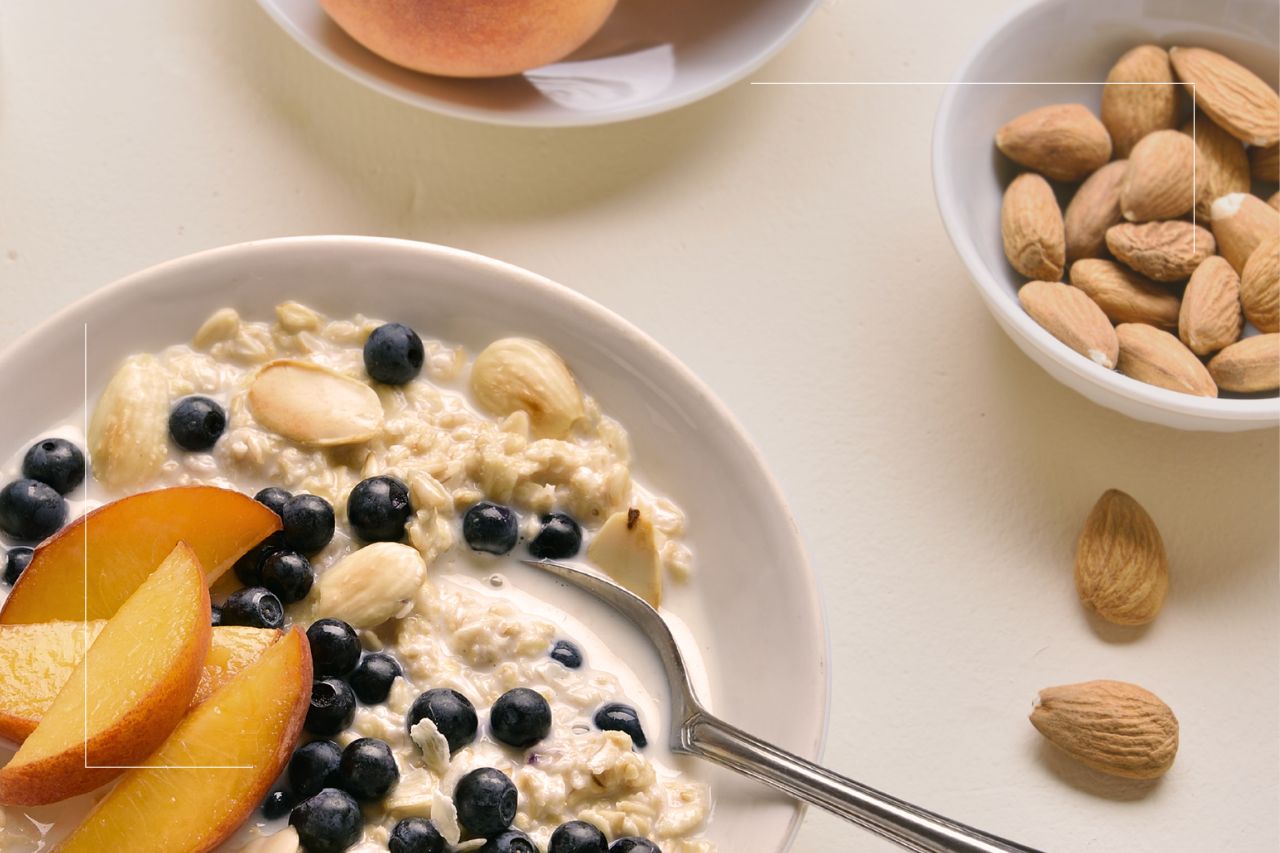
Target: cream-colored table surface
(783, 243)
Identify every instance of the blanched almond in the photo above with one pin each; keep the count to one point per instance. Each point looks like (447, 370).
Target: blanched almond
(1073, 318)
(1111, 726)
(1249, 366)
(1065, 142)
(1124, 296)
(1158, 358)
(1093, 209)
(1164, 251)
(314, 405)
(1134, 103)
(524, 375)
(1160, 180)
(1240, 223)
(1222, 166)
(369, 586)
(626, 549)
(129, 430)
(1260, 286)
(1232, 95)
(1265, 163)
(1210, 318)
(1032, 229)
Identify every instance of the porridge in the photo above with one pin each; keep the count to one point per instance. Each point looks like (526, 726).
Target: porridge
(406, 475)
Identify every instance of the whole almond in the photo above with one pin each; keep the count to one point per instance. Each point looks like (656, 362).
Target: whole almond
(1031, 225)
(1164, 251)
(1065, 142)
(1093, 209)
(1260, 286)
(1264, 163)
(1240, 222)
(1232, 95)
(1124, 296)
(1111, 726)
(1073, 318)
(1160, 180)
(1210, 318)
(1122, 573)
(1222, 166)
(1134, 103)
(1250, 365)
(1158, 358)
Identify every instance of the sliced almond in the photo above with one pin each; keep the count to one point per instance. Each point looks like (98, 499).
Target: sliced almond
(1131, 111)
(1264, 163)
(1260, 286)
(1222, 166)
(314, 405)
(1065, 142)
(1093, 209)
(129, 430)
(1210, 318)
(1233, 96)
(1032, 228)
(1111, 726)
(1123, 295)
(1160, 180)
(1248, 366)
(1164, 251)
(1240, 222)
(1073, 318)
(1158, 358)
(626, 549)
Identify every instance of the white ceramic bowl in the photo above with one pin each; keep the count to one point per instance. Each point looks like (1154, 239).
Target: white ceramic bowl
(651, 56)
(1069, 41)
(765, 648)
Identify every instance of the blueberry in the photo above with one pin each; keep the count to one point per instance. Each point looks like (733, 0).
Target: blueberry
(452, 713)
(559, 539)
(288, 574)
(335, 648)
(486, 802)
(255, 607)
(634, 844)
(520, 718)
(313, 767)
(31, 511)
(416, 835)
(215, 615)
(249, 567)
(277, 804)
(329, 822)
(368, 769)
(196, 423)
(274, 499)
(491, 528)
(511, 841)
(333, 707)
(308, 523)
(577, 836)
(373, 678)
(16, 562)
(55, 462)
(393, 354)
(378, 509)
(567, 654)
(616, 717)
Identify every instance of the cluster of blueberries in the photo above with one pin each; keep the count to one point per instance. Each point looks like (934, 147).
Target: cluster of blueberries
(327, 784)
(32, 508)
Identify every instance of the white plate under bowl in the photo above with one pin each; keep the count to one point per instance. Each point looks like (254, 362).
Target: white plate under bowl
(650, 57)
(765, 648)
(1065, 41)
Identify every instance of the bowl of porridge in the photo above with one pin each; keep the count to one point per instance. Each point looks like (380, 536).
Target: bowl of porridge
(357, 440)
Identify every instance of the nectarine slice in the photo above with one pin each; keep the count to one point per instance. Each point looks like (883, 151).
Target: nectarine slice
(126, 696)
(37, 660)
(244, 734)
(126, 540)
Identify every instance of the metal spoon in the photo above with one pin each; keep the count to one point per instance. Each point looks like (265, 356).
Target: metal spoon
(696, 732)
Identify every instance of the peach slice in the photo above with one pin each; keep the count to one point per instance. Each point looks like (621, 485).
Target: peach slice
(126, 695)
(37, 660)
(242, 737)
(126, 540)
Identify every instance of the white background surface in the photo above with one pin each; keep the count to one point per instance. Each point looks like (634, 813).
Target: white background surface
(784, 244)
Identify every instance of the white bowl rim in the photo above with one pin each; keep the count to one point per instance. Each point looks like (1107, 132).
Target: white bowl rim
(564, 118)
(554, 290)
(1260, 411)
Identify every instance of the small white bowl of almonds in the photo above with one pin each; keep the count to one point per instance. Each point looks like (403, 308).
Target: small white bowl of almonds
(1107, 171)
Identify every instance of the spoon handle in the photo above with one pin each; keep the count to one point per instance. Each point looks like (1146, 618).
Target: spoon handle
(908, 826)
